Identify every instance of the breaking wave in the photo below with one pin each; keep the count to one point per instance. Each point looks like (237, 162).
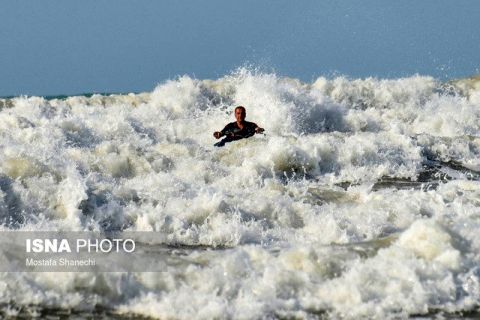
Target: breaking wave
(362, 198)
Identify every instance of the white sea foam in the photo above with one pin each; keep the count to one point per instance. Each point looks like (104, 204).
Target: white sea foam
(298, 221)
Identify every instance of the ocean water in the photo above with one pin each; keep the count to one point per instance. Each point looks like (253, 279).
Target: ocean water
(361, 200)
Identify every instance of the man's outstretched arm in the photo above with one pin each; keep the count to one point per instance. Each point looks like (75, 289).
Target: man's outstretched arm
(224, 132)
(258, 129)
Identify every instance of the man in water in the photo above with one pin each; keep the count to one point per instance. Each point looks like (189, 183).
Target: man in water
(237, 130)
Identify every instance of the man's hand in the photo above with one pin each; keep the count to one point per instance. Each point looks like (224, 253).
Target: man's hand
(217, 134)
(259, 130)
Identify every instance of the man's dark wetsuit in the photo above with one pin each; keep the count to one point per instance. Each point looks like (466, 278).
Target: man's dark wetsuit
(233, 132)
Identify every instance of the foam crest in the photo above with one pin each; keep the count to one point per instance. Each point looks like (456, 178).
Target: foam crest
(431, 241)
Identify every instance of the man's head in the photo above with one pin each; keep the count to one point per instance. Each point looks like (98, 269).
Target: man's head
(240, 113)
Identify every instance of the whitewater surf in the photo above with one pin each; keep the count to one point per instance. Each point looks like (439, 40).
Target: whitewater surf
(363, 199)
